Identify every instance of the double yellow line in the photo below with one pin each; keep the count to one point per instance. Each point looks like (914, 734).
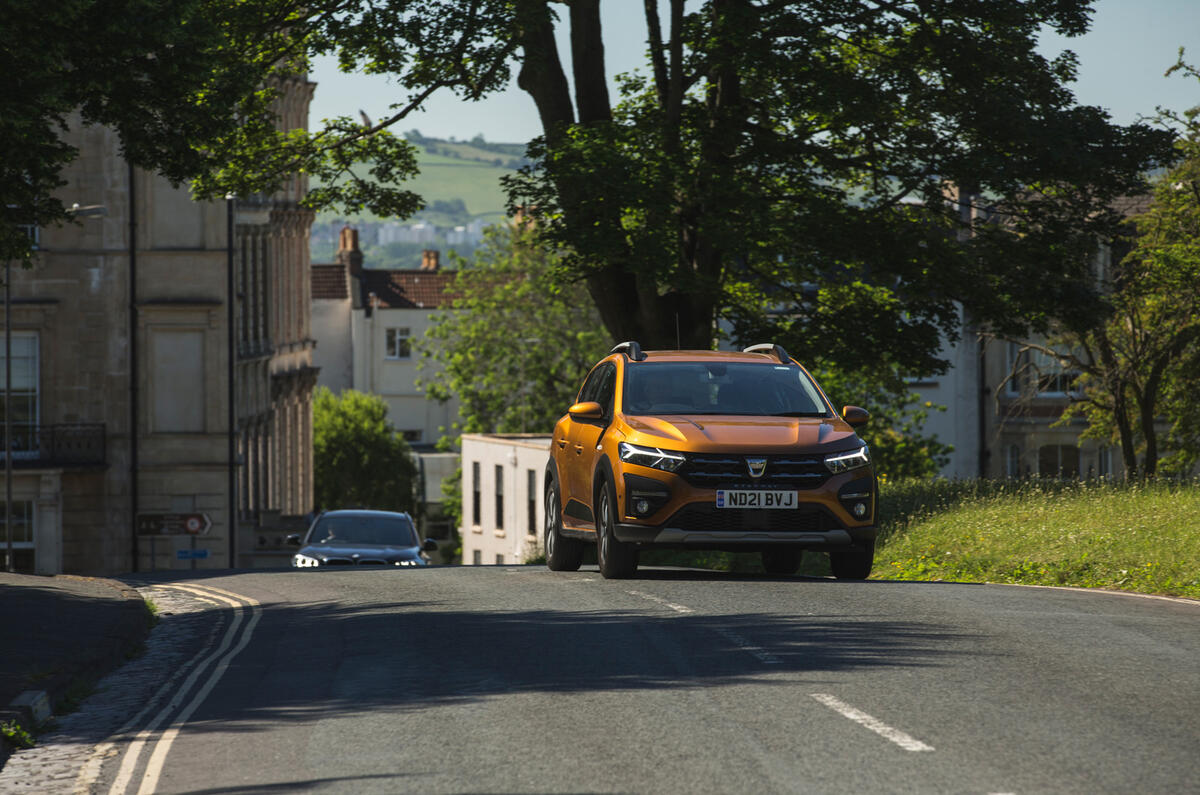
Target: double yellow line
(208, 664)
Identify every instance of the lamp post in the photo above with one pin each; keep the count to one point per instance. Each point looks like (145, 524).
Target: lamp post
(75, 211)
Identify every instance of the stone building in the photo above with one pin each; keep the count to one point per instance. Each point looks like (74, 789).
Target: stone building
(162, 371)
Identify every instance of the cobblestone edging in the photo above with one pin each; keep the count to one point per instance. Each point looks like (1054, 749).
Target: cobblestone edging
(55, 763)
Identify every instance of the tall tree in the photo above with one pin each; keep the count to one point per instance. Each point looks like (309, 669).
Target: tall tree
(516, 345)
(768, 146)
(359, 459)
(1140, 365)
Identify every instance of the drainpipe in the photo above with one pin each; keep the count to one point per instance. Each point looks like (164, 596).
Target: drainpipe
(133, 365)
(231, 392)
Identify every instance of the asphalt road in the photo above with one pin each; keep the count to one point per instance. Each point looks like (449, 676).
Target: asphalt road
(518, 679)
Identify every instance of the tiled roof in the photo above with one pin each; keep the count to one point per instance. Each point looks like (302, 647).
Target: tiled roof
(1131, 206)
(329, 283)
(408, 289)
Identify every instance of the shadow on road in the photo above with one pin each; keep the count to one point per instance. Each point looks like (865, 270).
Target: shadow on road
(318, 660)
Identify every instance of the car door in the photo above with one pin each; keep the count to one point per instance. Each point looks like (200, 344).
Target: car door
(583, 439)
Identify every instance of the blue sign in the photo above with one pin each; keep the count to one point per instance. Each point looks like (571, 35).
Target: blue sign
(191, 554)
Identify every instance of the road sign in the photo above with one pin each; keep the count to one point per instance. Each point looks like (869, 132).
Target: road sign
(173, 524)
(191, 554)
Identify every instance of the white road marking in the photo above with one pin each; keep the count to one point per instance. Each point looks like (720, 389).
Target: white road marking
(762, 654)
(905, 741)
(663, 602)
(162, 746)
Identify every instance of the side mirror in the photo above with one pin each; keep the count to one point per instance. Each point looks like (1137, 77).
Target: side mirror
(587, 410)
(855, 416)
(429, 546)
(292, 540)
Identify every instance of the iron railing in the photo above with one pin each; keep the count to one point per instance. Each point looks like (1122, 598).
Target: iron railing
(65, 445)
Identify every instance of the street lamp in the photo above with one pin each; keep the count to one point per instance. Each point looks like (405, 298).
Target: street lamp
(75, 211)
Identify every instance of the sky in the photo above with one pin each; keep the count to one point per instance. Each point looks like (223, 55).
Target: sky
(1121, 64)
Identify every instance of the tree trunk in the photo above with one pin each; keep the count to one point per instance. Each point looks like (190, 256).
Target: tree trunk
(1117, 388)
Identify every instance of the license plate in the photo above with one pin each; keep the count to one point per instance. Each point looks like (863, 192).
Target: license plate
(743, 498)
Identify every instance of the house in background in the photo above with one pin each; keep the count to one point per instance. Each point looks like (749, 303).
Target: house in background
(503, 475)
(366, 322)
(162, 373)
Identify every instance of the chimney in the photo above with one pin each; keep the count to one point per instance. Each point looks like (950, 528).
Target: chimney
(348, 252)
(429, 259)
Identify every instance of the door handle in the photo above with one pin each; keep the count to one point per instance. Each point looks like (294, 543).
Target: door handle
(578, 449)
(562, 443)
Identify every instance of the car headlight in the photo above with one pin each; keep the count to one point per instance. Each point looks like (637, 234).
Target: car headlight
(844, 462)
(304, 561)
(650, 457)
(408, 562)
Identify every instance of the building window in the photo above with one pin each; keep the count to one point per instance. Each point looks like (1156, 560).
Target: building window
(1104, 462)
(22, 536)
(477, 557)
(499, 497)
(499, 560)
(398, 343)
(1013, 461)
(1033, 372)
(412, 436)
(1058, 461)
(21, 402)
(476, 495)
(531, 503)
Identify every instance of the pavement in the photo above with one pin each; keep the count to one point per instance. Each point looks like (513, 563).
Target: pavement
(58, 635)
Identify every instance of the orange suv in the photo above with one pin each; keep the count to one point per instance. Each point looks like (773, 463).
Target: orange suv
(708, 450)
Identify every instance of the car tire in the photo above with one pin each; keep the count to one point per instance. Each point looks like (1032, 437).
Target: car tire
(853, 562)
(781, 560)
(617, 559)
(562, 553)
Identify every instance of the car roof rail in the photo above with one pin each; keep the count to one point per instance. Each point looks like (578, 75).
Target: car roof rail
(630, 349)
(770, 347)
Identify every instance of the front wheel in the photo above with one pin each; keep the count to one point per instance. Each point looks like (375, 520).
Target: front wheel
(562, 553)
(617, 560)
(853, 562)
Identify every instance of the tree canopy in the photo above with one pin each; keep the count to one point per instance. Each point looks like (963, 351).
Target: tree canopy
(833, 175)
(359, 459)
(824, 173)
(517, 343)
(1140, 365)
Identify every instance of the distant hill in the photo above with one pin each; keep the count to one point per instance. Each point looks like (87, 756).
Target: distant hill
(460, 183)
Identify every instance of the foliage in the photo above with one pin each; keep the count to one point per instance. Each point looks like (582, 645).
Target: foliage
(1136, 536)
(359, 459)
(810, 172)
(516, 345)
(1142, 362)
(16, 735)
(190, 87)
(863, 150)
(898, 447)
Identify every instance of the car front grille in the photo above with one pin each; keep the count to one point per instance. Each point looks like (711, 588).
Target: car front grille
(714, 471)
(708, 518)
(351, 562)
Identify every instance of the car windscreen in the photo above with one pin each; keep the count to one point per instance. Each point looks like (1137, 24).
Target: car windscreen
(738, 388)
(395, 531)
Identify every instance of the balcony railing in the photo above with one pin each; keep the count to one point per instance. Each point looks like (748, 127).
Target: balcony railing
(66, 445)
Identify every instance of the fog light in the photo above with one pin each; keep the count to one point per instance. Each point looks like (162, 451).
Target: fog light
(641, 506)
(860, 509)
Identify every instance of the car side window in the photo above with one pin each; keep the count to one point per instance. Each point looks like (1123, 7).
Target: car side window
(606, 389)
(590, 386)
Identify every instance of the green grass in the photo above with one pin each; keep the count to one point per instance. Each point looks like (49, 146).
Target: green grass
(1137, 537)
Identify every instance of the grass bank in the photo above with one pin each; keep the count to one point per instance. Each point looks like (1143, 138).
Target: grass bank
(1142, 537)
